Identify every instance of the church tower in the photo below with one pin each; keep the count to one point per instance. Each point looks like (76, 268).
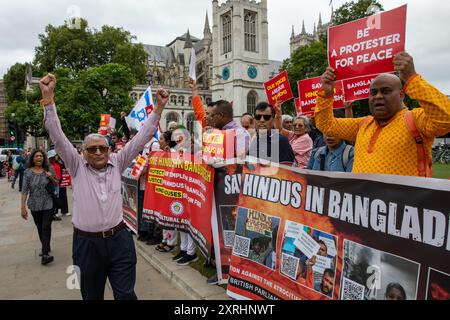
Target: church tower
(240, 53)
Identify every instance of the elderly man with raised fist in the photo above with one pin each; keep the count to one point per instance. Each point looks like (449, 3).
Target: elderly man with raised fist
(102, 246)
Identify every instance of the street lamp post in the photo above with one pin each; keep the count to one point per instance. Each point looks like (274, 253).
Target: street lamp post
(16, 131)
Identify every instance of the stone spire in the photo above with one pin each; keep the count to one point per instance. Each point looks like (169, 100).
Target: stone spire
(303, 27)
(188, 43)
(207, 28)
(315, 29)
(320, 20)
(293, 32)
(332, 16)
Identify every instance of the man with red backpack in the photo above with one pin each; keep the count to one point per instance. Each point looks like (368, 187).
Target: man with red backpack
(393, 140)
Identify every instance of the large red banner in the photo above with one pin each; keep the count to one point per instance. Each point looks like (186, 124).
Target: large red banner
(178, 195)
(308, 90)
(279, 89)
(367, 46)
(342, 236)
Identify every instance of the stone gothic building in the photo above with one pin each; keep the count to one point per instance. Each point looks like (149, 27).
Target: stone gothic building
(305, 38)
(232, 62)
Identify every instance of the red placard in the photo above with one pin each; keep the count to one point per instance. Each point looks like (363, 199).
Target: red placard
(367, 46)
(139, 166)
(218, 144)
(357, 88)
(279, 89)
(66, 180)
(308, 89)
(105, 120)
(298, 107)
(179, 195)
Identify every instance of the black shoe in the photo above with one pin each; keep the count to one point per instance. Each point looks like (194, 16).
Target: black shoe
(153, 242)
(213, 280)
(179, 256)
(46, 260)
(187, 259)
(56, 218)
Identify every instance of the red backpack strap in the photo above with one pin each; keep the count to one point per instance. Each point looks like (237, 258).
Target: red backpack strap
(423, 167)
(365, 121)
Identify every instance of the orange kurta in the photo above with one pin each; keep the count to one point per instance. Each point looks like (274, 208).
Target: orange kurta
(390, 149)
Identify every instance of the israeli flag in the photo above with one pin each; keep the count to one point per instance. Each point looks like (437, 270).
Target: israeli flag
(143, 108)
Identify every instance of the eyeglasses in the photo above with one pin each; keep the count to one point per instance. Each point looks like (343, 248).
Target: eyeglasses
(266, 117)
(93, 150)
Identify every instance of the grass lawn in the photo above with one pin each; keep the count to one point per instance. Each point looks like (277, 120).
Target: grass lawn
(441, 171)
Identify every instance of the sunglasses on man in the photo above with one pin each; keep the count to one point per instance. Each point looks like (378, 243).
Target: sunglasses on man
(93, 150)
(266, 117)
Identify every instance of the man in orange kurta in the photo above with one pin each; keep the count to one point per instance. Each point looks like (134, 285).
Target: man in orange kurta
(383, 143)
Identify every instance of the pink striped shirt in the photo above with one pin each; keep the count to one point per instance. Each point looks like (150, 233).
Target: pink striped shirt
(97, 196)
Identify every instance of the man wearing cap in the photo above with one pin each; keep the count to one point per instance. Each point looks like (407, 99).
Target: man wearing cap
(102, 246)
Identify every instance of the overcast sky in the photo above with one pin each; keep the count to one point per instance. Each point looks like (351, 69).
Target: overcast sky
(158, 22)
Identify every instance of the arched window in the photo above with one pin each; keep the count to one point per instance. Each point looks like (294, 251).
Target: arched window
(171, 116)
(208, 100)
(190, 101)
(252, 100)
(173, 100)
(190, 122)
(181, 100)
(226, 33)
(250, 31)
(134, 96)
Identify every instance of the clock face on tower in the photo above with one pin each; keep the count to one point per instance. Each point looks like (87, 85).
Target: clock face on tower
(226, 73)
(252, 72)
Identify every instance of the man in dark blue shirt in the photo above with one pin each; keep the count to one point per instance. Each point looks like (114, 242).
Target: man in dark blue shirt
(268, 144)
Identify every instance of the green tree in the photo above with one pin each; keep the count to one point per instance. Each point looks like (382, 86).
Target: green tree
(115, 45)
(78, 49)
(14, 81)
(28, 114)
(306, 62)
(62, 47)
(95, 91)
(351, 11)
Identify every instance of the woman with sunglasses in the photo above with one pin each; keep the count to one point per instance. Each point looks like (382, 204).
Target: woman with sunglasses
(36, 178)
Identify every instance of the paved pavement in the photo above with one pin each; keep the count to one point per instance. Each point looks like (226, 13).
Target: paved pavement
(23, 277)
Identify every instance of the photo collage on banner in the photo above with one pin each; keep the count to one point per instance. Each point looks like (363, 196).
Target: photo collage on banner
(130, 193)
(227, 188)
(321, 236)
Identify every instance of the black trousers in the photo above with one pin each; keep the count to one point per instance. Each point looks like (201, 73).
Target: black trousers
(100, 259)
(62, 201)
(43, 221)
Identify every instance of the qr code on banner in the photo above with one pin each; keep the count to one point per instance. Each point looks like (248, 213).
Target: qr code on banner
(228, 238)
(289, 266)
(241, 246)
(352, 290)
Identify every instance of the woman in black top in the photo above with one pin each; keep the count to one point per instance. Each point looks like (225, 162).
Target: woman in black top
(40, 201)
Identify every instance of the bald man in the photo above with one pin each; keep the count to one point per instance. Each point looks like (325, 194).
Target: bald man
(384, 143)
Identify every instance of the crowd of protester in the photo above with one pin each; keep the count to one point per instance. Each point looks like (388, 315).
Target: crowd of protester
(322, 142)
